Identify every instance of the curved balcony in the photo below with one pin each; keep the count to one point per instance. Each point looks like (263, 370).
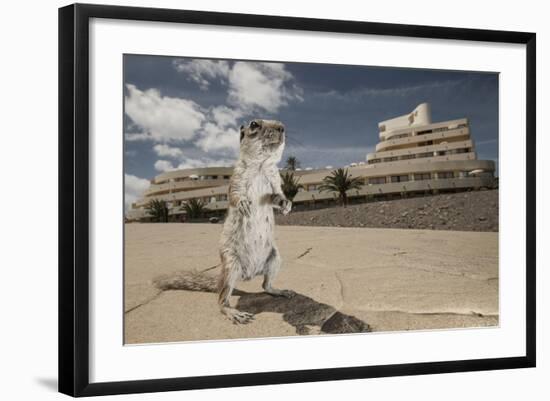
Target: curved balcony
(414, 151)
(164, 178)
(186, 195)
(181, 186)
(450, 135)
(415, 129)
(399, 187)
(458, 162)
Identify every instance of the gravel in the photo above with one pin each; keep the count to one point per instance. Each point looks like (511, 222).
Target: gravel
(465, 211)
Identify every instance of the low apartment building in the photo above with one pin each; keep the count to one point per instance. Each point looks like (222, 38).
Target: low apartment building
(414, 157)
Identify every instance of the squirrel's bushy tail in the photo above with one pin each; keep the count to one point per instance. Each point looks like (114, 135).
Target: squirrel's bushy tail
(187, 280)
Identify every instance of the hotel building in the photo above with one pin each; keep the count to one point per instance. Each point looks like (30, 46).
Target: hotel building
(414, 157)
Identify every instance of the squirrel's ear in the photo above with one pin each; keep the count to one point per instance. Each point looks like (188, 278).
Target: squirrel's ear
(242, 133)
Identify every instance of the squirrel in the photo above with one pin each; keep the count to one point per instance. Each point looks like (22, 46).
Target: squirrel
(247, 244)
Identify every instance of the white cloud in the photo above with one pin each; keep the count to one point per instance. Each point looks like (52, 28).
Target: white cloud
(391, 93)
(252, 88)
(224, 116)
(267, 86)
(134, 187)
(167, 151)
(162, 117)
(137, 136)
(202, 71)
(214, 138)
(205, 162)
(165, 165)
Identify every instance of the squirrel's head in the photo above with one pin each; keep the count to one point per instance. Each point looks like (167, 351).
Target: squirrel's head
(262, 140)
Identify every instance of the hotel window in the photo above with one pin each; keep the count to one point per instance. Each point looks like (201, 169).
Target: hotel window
(400, 178)
(225, 177)
(377, 180)
(214, 177)
(390, 159)
(407, 157)
(426, 154)
(422, 176)
(429, 131)
(372, 161)
(399, 136)
(427, 143)
(445, 174)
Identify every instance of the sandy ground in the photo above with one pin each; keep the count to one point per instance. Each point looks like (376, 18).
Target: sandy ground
(346, 279)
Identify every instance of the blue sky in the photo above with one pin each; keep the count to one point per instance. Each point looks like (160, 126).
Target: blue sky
(182, 112)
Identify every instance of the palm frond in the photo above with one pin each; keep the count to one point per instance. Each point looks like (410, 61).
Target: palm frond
(290, 185)
(340, 181)
(158, 210)
(292, 163)
(194, 208)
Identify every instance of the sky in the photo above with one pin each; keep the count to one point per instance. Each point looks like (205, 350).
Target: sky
(184, 113)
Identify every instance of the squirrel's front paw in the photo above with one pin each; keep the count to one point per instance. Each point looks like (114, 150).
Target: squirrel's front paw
(286, 207)
(284, 204)
(243, 206)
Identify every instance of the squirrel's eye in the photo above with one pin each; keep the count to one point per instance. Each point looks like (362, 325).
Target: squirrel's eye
(254, 125)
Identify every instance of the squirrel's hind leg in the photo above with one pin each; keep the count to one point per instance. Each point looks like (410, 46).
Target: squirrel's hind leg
(272, 265)
(231, 271)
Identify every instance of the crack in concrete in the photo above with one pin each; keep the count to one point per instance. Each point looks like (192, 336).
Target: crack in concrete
(465, 275)
(133, 308)
(308, 250)
(471, 314)
(341, 287)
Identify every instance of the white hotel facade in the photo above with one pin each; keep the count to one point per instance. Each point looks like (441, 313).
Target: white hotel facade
(415, 156)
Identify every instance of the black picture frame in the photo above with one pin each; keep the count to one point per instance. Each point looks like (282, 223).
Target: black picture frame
(74, 201)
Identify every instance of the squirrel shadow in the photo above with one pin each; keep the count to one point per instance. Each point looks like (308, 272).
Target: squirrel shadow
(302, 312)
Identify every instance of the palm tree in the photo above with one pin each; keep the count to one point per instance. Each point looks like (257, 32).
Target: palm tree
(194, 208)
(340, 181)
(290, 185)
(292, 163)
(158, 209)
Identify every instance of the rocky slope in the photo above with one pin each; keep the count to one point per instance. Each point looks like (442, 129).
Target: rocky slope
(466, 211)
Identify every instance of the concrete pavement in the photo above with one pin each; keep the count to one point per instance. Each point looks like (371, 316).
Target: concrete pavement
(346, 279)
